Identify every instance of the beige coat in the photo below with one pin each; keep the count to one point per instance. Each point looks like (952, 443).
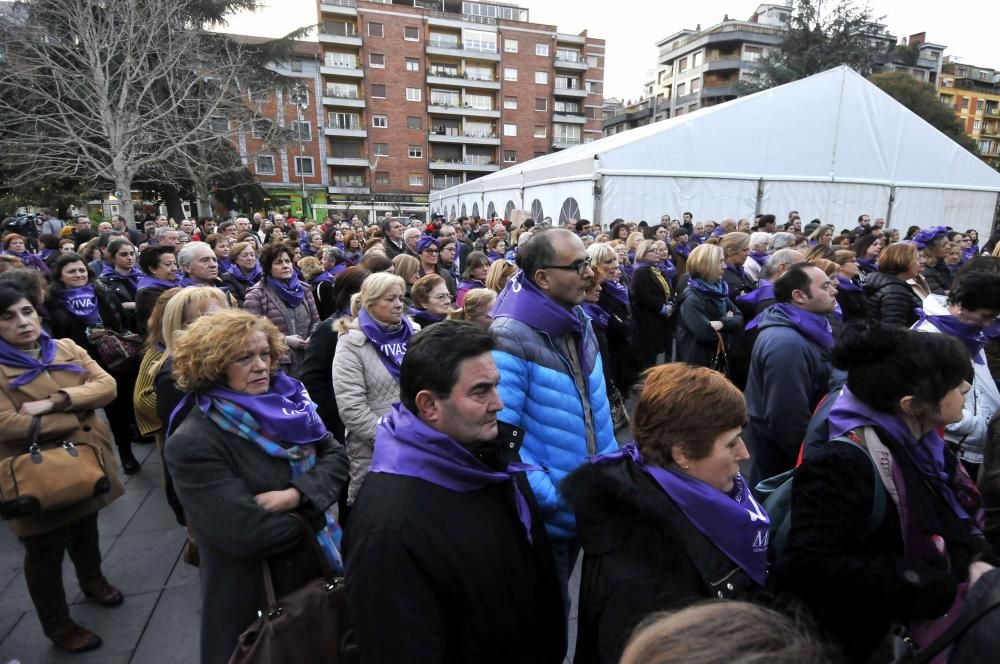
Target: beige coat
(365, 392)
(78, 423)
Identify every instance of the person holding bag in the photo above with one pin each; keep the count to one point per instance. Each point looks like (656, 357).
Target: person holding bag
(59, 383)
(251, 450)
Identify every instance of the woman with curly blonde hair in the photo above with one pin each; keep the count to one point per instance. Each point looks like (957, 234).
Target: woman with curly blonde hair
(499, 274)
(251, 450)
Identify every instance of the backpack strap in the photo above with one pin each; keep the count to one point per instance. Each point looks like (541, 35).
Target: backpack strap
(878, 499)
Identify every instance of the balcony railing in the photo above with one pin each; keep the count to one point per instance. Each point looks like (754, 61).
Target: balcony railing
(340, 94)
(567, 140)
(463, 76)
(341, 3)
(463, 46)
(468, 161)
(457, 133)
(354, 126)
(461, 105)
(341, 64)
(347, 183)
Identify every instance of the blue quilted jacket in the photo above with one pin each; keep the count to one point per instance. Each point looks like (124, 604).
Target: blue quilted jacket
(541, 398)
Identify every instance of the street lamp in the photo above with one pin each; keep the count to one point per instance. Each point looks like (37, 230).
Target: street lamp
(301, 98)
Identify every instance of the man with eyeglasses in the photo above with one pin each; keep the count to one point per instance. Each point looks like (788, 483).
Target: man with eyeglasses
(551, 376)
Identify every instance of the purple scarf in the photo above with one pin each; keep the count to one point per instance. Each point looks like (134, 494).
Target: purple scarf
(928, 453)
(290, 292)
(597, 314)
(469, 284)
(46, 254)
(425, 317)
(405, 445)
(330, 274)
(682, 250)
(764, 291)
(390, 344)
(522, 301)
(734, 522)
(814, 327)
(973, 336)
(225, 264)
(18, 359)
(132, 277)
(616, 291)
(81, 302)
(867, 265)
(494, 256)
(152, 282)
(253, 277)
(717, 293)
(760, 256)
(846, 285)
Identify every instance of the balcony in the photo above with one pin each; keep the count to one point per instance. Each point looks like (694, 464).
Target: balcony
(728, 63)
(462, 81)
(342, 70)
(339, 7)
(457, 50)
(570, 65)
(465, 165)
(343, 101)
(575, 93)
(346, 131)
(464, 139)
(571, 39)
(569, 117)
(724, 90)
(563, 142)
(350, 191)
(340, 40)
(442, 109)
(348, 162)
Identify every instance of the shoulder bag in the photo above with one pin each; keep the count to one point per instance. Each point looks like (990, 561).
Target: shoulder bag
(37, 481)
(116, 350)
(720, 360)
(306, 625)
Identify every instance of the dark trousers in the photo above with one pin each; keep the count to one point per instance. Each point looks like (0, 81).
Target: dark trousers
(121, 413)
(43, 560)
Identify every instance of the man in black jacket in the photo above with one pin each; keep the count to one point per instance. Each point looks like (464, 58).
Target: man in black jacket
(446, 555)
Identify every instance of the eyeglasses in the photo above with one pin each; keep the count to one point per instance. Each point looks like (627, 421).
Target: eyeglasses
(441, 298)
(579, 266)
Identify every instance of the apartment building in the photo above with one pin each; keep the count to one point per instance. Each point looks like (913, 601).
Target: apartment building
(420, 95)
(974, 93)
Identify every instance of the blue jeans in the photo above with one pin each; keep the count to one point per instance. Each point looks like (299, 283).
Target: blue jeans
(565, 553)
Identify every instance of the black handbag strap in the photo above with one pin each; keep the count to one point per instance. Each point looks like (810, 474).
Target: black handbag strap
(310, 538)
(34, 430)
(958, 628)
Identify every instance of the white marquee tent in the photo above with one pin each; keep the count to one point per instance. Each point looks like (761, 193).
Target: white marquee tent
(831, 146)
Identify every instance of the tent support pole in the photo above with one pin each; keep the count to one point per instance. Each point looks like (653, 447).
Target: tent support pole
(892, 202)
(598, 219)
(760, 198)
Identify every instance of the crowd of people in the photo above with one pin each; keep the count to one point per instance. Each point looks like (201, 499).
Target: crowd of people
(444, 403)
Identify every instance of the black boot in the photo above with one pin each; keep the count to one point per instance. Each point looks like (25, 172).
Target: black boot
(129, 463)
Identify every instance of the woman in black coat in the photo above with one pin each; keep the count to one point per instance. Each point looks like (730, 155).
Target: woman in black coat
(121, 277)
(159, 265)
(80, 304)
(859, 581)
(736, 248)
(850, 296)
(237, 486)
(667, 521)
(888, 298)
(623, 356)
(704, 309)
(651, 295)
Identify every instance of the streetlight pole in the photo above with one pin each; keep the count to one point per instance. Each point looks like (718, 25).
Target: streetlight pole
(302, 106)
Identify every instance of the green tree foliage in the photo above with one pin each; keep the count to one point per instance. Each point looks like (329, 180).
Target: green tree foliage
(922, 99)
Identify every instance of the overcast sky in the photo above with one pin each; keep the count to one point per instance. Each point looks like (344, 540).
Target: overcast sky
(633, 27)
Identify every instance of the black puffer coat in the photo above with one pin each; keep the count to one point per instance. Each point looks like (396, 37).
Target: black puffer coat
(891, 300)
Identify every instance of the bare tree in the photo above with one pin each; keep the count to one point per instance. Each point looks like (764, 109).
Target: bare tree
(111, 90)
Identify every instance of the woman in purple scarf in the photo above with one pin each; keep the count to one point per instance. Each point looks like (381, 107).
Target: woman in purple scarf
(15, 245)
(928, 548)
(668, 520)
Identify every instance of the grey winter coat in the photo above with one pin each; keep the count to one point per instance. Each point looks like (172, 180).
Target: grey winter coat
(302, 320)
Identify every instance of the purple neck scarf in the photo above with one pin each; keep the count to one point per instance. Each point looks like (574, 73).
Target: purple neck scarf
(284, 413)
(734, 522)
(18, 359)
(423, 316)
(616, 291)
(390, 344)
(46, 254)
(253, 277)
(682, 250)
(867, 265)
(523, 301)
(927, 453)
(81, 302)
(597, 314)
(973, 336)
(846, 285)
(132, 277)
(814, 327)
(494, 256)
(290, 292)
(759, 256)
(469, 284)
(330, 274)
(225, 264)
(764, 291)
(152, 282)
(405, 445)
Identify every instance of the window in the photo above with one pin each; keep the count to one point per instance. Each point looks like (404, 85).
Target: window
(509, 129)
(567, 107)
(510, 45)
(696, 86)
(965, 103)
(412, 94)
(341, 60)
(343, 90)
(344, 120)
(540, 131)
(444, 98)
(696, 59)
(542, 49)
(976, 125)
(414, 122)
(381, 177)
(304, 166)
(378, 91)
(411, 33)
(479, 102)
(302, 131)
(510, 103)
(416, 180)
(593, 61)
(509, 74)
(438, 69)
(479, 40)
(265, 165)
(681, 89)
(542, 77)
(593, 86)
(296, 65)
(443, 40)
(416, 152)
(509, 156)
(258, 128)
(348, 180)
(682, 64)
(375, 30)
(380, 121)
(219, 125)
(377, 60)
(412, 64)
(542, 104)
(381, 149)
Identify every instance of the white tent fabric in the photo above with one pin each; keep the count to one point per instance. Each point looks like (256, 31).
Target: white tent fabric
(832, 146)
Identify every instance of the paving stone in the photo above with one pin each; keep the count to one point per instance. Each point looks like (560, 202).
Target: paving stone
(8, 540)
(153, 515)
(141, 563)
(171, 637)
(111, 520)
(183, 575)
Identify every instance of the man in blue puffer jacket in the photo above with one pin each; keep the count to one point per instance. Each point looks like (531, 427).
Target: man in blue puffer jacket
(551, 377)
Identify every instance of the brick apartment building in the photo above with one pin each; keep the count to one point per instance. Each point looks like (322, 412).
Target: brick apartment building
(974, 93)
(420, 95)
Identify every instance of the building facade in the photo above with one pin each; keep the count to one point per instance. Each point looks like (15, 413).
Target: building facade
(420, 95)
(974, 93)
